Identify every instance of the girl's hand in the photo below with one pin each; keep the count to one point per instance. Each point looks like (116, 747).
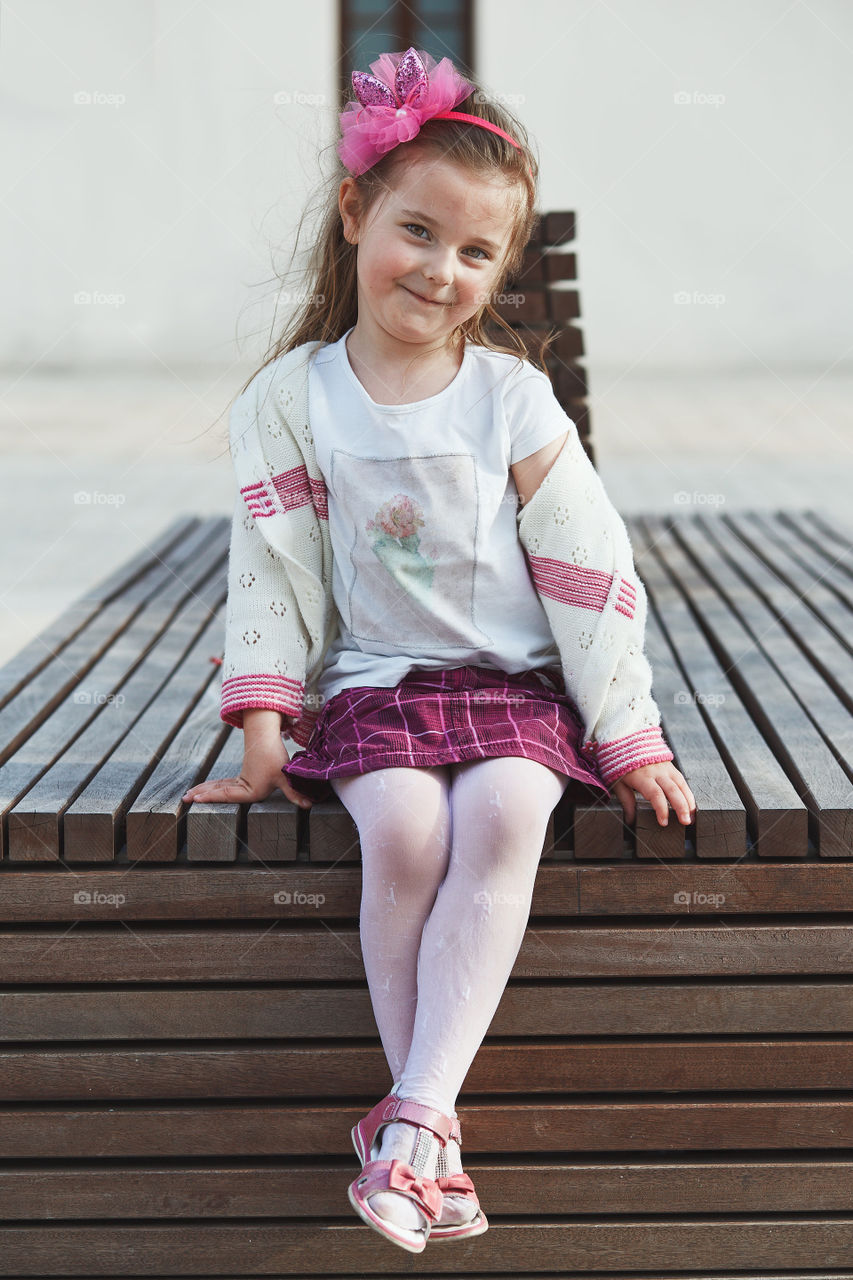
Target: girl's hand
(259, 778)
(662, 785)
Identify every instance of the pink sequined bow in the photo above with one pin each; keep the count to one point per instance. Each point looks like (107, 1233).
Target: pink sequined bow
(405, 90)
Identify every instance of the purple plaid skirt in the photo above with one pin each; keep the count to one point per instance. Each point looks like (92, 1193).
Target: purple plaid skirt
(439, 716)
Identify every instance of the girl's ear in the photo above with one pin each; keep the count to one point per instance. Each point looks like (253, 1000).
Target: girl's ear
(349, 204)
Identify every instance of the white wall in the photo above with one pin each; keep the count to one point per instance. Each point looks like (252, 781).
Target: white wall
(171, 199)
(171, 190)
(744, 192)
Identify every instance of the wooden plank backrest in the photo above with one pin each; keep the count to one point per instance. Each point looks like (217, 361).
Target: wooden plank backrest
(542, 301)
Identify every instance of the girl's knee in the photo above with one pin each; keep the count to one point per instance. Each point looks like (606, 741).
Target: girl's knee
(503, 807)
(402, 817)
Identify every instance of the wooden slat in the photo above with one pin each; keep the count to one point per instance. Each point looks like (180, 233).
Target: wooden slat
(776, 816)
(569, 382)
(541, 1010)
(331, 1071)
(798, 642)
(595, 829)
(290, 1189)
(332, 834)
(829, 595)
(719, 830)
(313, 953)
(553, 228)
(182, 733)
(751, 655)
(23, 666)
(577, 1275)
(559, 265)
(187, 893)
(47, 713)
(827, 530)
(115, 1130)
(522, 305)
(831, 569)
(214, 829)
(47, 821)
(190, 893)
(828, 550)
(511, 1246)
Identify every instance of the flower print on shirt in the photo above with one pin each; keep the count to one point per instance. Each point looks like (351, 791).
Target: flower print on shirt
(411, 526)
(395, 541)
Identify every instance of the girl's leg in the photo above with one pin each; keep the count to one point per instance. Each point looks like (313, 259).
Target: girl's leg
(403, 821)
(500, 811)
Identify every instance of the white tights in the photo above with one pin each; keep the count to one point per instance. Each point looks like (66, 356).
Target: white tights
(449, 859)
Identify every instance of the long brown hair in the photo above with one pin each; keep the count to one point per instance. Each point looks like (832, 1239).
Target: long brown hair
(329, 298)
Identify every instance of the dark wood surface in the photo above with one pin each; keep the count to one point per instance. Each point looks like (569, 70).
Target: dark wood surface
(116, 712)
(186, 1035)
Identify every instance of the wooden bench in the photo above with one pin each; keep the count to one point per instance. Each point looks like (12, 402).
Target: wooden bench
(187, 1034)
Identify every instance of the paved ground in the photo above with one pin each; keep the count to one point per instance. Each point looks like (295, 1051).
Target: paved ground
(94, 465)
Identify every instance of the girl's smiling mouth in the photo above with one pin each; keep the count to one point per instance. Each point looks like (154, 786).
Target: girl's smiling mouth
(428, 301)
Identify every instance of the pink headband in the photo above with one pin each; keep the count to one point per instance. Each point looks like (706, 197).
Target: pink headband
(405, 90)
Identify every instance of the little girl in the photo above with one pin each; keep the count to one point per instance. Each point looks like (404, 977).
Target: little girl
(384, 448)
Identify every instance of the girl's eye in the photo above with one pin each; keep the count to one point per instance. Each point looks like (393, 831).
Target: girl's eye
(418, 227)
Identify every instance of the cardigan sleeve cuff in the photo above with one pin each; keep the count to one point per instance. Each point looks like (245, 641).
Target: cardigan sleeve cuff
(612, 759)
(265, 692)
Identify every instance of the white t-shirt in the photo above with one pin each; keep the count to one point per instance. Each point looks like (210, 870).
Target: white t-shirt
(429, 571)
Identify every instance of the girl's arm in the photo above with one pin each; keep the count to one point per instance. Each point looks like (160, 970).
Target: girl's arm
(263, 667)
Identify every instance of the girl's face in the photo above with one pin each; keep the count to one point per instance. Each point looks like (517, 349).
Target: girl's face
(430, 250)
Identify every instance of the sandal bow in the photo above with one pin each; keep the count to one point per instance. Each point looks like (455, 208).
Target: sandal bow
(402, 1177)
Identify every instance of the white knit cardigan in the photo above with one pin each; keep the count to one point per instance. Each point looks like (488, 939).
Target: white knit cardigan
(281, 616)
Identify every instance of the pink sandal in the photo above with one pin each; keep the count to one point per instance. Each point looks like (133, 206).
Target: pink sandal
(397, 1175)
(459, 1184)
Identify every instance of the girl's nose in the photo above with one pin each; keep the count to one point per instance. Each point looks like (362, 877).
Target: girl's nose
(439, 269)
